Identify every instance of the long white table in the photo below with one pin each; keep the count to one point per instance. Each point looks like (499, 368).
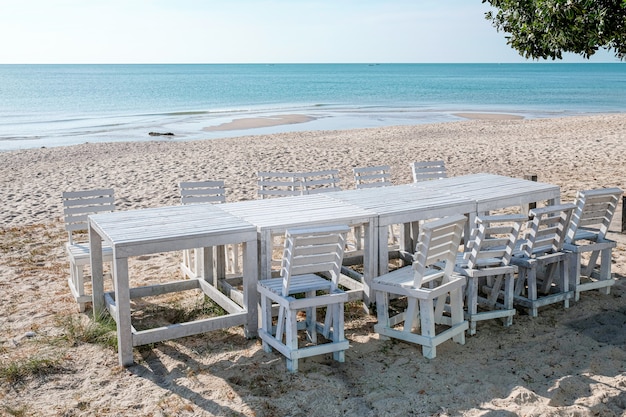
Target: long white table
(146, 231)
(255, 223)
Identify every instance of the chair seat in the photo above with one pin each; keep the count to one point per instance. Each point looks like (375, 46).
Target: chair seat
(299, 284)
(79, 253)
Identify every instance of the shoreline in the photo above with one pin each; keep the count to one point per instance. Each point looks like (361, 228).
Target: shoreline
(191, 126)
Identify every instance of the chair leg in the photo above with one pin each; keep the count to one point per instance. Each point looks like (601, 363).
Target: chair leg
(411, 321)
(564, 279)
(456, 313)
(531, 280)
(427, 319)
(338, 331)
(509, 284)
(291, 339)
(576, 271)
(79, 285)
(472, 303)
(382, 312)
(311, 321)
(281, 324)
(605, 271)
(266, 320)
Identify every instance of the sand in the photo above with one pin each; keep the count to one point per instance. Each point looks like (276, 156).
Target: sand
(563, 363)
(257, 122)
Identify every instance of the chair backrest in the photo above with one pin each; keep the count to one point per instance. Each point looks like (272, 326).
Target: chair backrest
(192, 192)
(593, 208)
(77, 205)
(428, 170)
(319, 181)
(370, 177)
(278, 184)
(493, 240)
(313, 250)
(437, 248)
(547, 229)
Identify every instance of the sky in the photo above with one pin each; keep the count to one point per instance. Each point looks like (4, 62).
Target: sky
(253, 31)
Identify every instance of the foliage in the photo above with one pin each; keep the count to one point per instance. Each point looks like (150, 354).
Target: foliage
(547, 28)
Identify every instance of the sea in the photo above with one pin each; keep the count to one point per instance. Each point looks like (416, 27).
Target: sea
(61, 105)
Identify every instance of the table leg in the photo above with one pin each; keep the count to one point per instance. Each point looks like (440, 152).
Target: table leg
(265, 255)
(97, 281)
(122, 301)
(371, 257)
(383, 250)
(250, 295)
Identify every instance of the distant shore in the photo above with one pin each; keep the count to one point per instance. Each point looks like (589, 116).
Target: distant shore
(258, 122)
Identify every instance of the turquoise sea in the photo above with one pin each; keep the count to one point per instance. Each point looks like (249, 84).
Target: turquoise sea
(56, 105)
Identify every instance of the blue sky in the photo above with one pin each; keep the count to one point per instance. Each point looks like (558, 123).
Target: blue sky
(251, 31)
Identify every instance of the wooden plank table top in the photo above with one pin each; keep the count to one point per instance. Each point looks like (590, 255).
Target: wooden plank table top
(492, 192)
(406, 203)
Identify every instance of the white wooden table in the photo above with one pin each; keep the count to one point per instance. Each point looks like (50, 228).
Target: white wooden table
(273, 216)
(146, 231)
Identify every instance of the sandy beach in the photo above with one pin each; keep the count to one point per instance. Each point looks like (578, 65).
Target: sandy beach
(566, 362)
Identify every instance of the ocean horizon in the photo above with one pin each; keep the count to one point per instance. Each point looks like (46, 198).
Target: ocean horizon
(60, 105)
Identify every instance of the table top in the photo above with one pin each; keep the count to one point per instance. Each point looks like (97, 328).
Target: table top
(316, 209)
(402, 203)
(171, 228)
(491, 191)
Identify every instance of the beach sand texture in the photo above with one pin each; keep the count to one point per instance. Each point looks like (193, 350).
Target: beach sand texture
(562, 363)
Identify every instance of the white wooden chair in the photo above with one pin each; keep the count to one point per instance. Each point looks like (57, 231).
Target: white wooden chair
(541, 260)
(319, 181)
(77, 205)
(371, 177)
(278, 184)
(486, 264)
(433, 292)
(587, 234)
(308, 253)
(197, 192)
(428, 170)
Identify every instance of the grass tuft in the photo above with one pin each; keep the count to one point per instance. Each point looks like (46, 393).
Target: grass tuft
(16, 372)
(77, 331)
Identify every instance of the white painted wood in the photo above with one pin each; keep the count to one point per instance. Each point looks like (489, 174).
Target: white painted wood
(213, 192)
(486, 265)
(308, 252)
(372, 177)
(541, 260)
(433, 290)
(319, 181)
(278, 184)
(428, 170)
(141, 232)
(77, 206)
(587, 234)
